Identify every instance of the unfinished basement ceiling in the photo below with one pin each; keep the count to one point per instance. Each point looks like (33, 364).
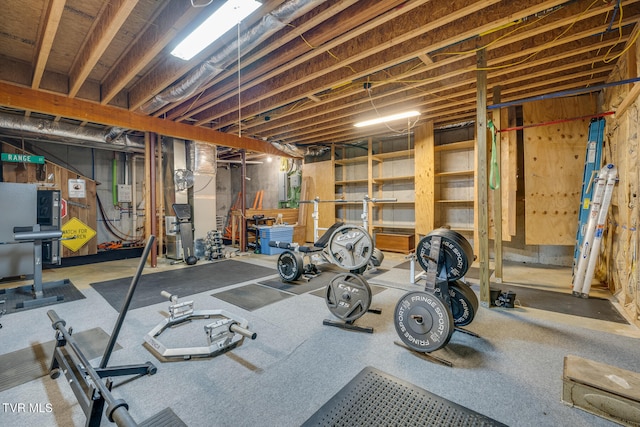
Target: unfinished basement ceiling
(308, 69)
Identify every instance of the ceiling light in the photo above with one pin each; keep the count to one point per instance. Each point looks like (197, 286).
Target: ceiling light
(375, 121)
(221, 21)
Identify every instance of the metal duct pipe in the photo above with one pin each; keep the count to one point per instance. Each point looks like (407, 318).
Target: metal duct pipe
(114, 139)
(270, 23)
(202, 157)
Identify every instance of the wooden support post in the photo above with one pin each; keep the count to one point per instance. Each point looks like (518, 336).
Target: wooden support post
(159, 188)
(243, 202)
(370, 187)
(152, 212)
(497, 192)
(147, 185)
(483, 215)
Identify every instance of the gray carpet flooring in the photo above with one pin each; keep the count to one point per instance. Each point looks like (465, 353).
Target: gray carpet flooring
(30, 363)
(511, 373)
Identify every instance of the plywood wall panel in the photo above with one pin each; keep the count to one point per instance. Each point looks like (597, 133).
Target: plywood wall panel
(319, 179)
(26, 173)
(554, 163)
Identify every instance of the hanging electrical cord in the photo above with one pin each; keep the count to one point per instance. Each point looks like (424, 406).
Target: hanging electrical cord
(239, 84)
(398, 132)
(111, 227)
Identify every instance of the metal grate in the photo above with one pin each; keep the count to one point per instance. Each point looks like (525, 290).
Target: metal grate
(374, 398)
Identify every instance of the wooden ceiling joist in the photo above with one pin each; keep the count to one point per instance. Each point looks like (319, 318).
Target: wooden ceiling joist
(62, 106)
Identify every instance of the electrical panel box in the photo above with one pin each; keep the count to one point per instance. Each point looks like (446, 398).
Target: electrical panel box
(294, 180)
(283, 187)
(124, 193)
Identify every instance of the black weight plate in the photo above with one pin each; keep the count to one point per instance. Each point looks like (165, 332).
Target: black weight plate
(455, 252)
(423, 322)
(471, 296)
(348, 296)
(464, 303)
(290, 266)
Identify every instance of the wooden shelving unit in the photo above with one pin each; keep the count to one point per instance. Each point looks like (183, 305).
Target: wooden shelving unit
(386, 172)
(454, 194)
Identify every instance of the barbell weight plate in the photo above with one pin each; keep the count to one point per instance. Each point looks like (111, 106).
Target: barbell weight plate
(350, 247)
(464, 303)
(377, 256)
(423, 322)
(455, 252)
(348, 296)
(471, 296)
(290, 266)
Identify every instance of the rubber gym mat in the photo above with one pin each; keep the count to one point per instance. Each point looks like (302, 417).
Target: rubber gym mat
(181, 282)
(27, 364)
(301, 286)
(14, 298)
(164, 418)
(406, 266)
(251, 297)
(559, 302)
(375, 290)
(375, 398)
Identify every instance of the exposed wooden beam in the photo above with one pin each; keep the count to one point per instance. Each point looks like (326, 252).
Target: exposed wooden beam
(425, 59)
(315, 44)
(109, 22)
(162, 76)
(52, 21)
(176, 14)
(366, 55)
(45, 102)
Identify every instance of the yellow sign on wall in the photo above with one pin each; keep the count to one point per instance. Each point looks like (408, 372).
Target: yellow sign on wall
(76, 234)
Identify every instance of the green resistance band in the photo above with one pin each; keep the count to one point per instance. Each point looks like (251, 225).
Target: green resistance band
(494, 170)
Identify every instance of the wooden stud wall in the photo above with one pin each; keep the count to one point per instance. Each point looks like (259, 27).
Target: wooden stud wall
(26, 173)
(424, 179)
(554, 163)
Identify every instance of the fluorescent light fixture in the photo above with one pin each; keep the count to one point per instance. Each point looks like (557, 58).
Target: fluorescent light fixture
(221, 21)
(398, 116)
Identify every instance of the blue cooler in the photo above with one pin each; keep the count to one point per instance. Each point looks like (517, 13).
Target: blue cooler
(280, 233)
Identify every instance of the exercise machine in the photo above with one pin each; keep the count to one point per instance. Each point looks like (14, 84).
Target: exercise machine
(87, 382)
(24, 249)
(225, 331)
(298, 260)
(37, 237)
(425, 321)
(185, 228)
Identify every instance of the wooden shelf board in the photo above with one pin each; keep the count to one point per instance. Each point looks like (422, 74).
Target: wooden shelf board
(393, 155)
(393, 178)
(463, 229)
(462, 145)
(468, 173)
(398, 202)
(351, 160)
(352, 181)
(398, 226)
(455, 201)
